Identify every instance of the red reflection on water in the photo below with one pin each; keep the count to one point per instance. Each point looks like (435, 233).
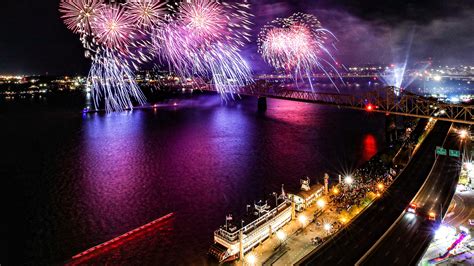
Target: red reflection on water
(369, 148)
(127, 246)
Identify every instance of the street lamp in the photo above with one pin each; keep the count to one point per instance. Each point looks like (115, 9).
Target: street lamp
(321, 203)
(380, 186)
(251, 259)
(327, 227)
(348, 180)
(302, 219)
(281, 235)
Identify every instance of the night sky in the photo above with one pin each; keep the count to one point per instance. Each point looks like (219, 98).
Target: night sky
(33, 39)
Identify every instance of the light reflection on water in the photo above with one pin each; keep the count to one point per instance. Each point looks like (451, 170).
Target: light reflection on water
(202, 160)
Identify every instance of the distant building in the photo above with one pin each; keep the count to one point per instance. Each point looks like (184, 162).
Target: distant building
(307, 195)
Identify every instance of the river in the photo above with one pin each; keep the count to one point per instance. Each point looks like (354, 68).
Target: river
(75, 180)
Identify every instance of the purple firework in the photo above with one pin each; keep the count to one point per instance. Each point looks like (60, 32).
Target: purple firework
(146, 14)
(113, 27)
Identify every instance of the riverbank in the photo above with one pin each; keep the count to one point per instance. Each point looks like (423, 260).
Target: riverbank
(346, 199)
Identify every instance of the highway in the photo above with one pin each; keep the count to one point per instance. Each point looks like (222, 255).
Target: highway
(352, 242)
(409, 237)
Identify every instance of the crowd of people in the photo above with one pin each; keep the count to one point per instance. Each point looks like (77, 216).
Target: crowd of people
(374, 176)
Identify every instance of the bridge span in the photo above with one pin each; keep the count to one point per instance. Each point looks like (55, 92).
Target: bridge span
(388, 100)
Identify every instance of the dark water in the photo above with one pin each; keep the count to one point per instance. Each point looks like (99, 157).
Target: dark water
(75, 180)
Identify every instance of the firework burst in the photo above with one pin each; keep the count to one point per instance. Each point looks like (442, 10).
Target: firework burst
(204, 19)
(211, 21)
(298, 44)
(147, 14)
(78, 14)
(204, 40)
(113, 27)
(199, 39)
(115, 41)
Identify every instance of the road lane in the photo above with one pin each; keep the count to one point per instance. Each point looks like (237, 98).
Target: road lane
(411, 235)
(352, 242)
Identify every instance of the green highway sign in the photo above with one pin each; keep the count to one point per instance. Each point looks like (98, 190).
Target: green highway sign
(441, 151)
(454, 153)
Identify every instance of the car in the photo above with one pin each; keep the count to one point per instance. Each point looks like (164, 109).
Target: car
(412, 208)
(432, 216)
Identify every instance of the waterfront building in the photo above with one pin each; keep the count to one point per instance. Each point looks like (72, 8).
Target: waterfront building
(307, 195)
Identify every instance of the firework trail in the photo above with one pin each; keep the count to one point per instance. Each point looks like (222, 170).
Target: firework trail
(298, 45)
(78, 16)
(114, 82)
(228, 69)
(116, 37)
(198, 39)
(204, 40)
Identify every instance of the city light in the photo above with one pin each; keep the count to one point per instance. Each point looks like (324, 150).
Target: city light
(321, 203)
(410, 215)
(251, 259)
(463, 133)
(335, 191)
(281, 235)
(327, 227)
(445, 232)
(432, 215)
(348, 180)
(468, 166)
(380, 186)
(464, 229)
(302, 219)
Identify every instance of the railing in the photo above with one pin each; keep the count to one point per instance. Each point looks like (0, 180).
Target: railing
(389, 100)
(231, 237)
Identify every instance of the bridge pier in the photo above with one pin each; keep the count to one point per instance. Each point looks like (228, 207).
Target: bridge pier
(262, 104)
(390, 128)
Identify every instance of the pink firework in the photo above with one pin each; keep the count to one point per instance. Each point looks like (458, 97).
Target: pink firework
(146, 13)
(78, 14)
(298, 44)
(113, 27)
(204, 19)
(287, 47)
